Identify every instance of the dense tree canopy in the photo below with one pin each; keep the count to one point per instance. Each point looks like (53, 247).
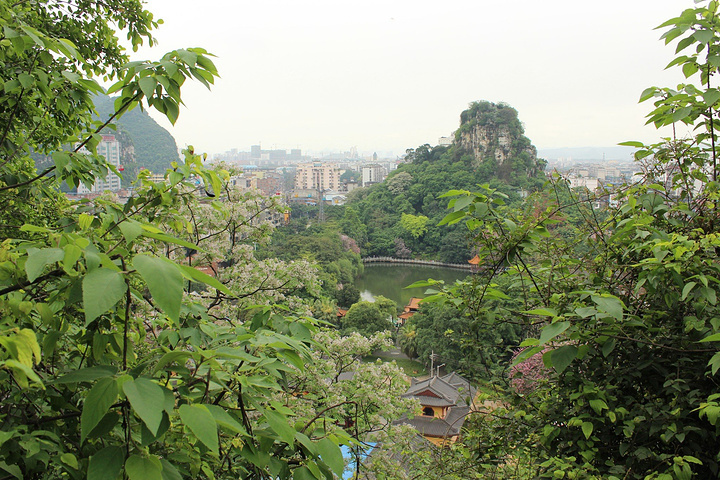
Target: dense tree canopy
(626, 306)
(407, 206)
(125, 347)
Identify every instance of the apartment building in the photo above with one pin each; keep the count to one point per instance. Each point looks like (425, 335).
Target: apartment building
(317, 176)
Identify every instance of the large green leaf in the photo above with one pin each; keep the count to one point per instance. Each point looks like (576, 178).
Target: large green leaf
(106, 464)
(87, 374)
(168, 239)
(331, 455)
(164, 281)
(102, 288)
(224, 419)
(38, 259)
(171, 357)
(99, 399)
(130, 230)
(147, 400)
(192, 273)
(169, 472)
(562, 357)
(143, 468)
(280, 425)
(553, 330)
(201, 423)
(610, 305)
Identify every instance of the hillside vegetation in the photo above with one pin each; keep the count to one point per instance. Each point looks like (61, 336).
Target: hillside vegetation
(400, 216)
(154, 148)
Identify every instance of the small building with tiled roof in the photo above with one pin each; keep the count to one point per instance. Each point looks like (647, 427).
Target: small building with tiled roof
(445, 402)
(410, 309)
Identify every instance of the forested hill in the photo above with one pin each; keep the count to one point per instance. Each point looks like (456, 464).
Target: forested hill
(399, 217)
(154, 147)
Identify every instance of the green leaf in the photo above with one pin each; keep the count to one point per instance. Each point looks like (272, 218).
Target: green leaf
(13, 470)
(143, 468)
(714, 363)
(546, 312)
(87, 374)
(331, 455)
(610, 305)
(168, 239)
(562, 357)
(98, 401)
(26, 80)
(711, 96)
(130, 230)
(169, 472)
(681, 113)
(422, 283)
(462, 203)
(686, 289)
(70, 460)
(170, 357)
(22, 369)
(147, 85)
(147, 400)
(645, 95)
(224, 420)
(164, 281)
(106, 464)
(712, 338)
(553, 330)
(587, 429)
(102, 289)
(202, 424)
(172, 111)
(194, 274)
(279, 424)
(452, 218)
(632, 143)
(598, 405)
(303, 473)
(38, 259)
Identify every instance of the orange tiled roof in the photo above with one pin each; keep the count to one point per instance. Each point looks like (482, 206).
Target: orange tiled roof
(414, 303)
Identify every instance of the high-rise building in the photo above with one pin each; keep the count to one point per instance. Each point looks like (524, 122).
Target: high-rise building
(373, 173)
(317, 176)
(109, 147)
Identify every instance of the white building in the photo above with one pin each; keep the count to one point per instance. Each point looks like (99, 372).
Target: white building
(317, 176)
(373, 173)
(109, 148)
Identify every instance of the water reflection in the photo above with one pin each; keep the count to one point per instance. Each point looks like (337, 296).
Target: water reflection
(389, 280)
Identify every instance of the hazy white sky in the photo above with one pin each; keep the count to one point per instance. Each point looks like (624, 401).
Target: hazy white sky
(387, 75)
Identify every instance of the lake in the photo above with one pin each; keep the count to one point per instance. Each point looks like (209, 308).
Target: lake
(390, 279)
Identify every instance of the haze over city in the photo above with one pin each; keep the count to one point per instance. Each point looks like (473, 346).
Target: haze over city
(387, 76)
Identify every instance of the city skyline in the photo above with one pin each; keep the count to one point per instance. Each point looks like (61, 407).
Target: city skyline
(327, 76)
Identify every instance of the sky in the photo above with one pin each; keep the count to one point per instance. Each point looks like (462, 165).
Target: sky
(388, 75)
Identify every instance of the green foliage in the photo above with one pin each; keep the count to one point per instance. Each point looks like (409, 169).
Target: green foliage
(455, 335)
(111, 362)
(415, 225)
(367, 318)
(624, 306)
(407, 206)
(154, 147)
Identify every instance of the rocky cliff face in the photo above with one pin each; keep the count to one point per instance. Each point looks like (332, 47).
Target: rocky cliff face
(493, 134)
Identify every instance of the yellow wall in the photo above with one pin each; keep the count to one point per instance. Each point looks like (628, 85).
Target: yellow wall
(438, 412)
(441, 441)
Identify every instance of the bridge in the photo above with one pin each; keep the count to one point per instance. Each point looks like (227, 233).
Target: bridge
(431, 263)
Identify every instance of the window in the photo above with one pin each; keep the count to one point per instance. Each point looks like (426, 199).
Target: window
(428, 412)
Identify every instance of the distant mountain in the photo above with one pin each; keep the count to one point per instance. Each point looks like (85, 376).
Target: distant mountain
(588, 153)
(153, 146)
